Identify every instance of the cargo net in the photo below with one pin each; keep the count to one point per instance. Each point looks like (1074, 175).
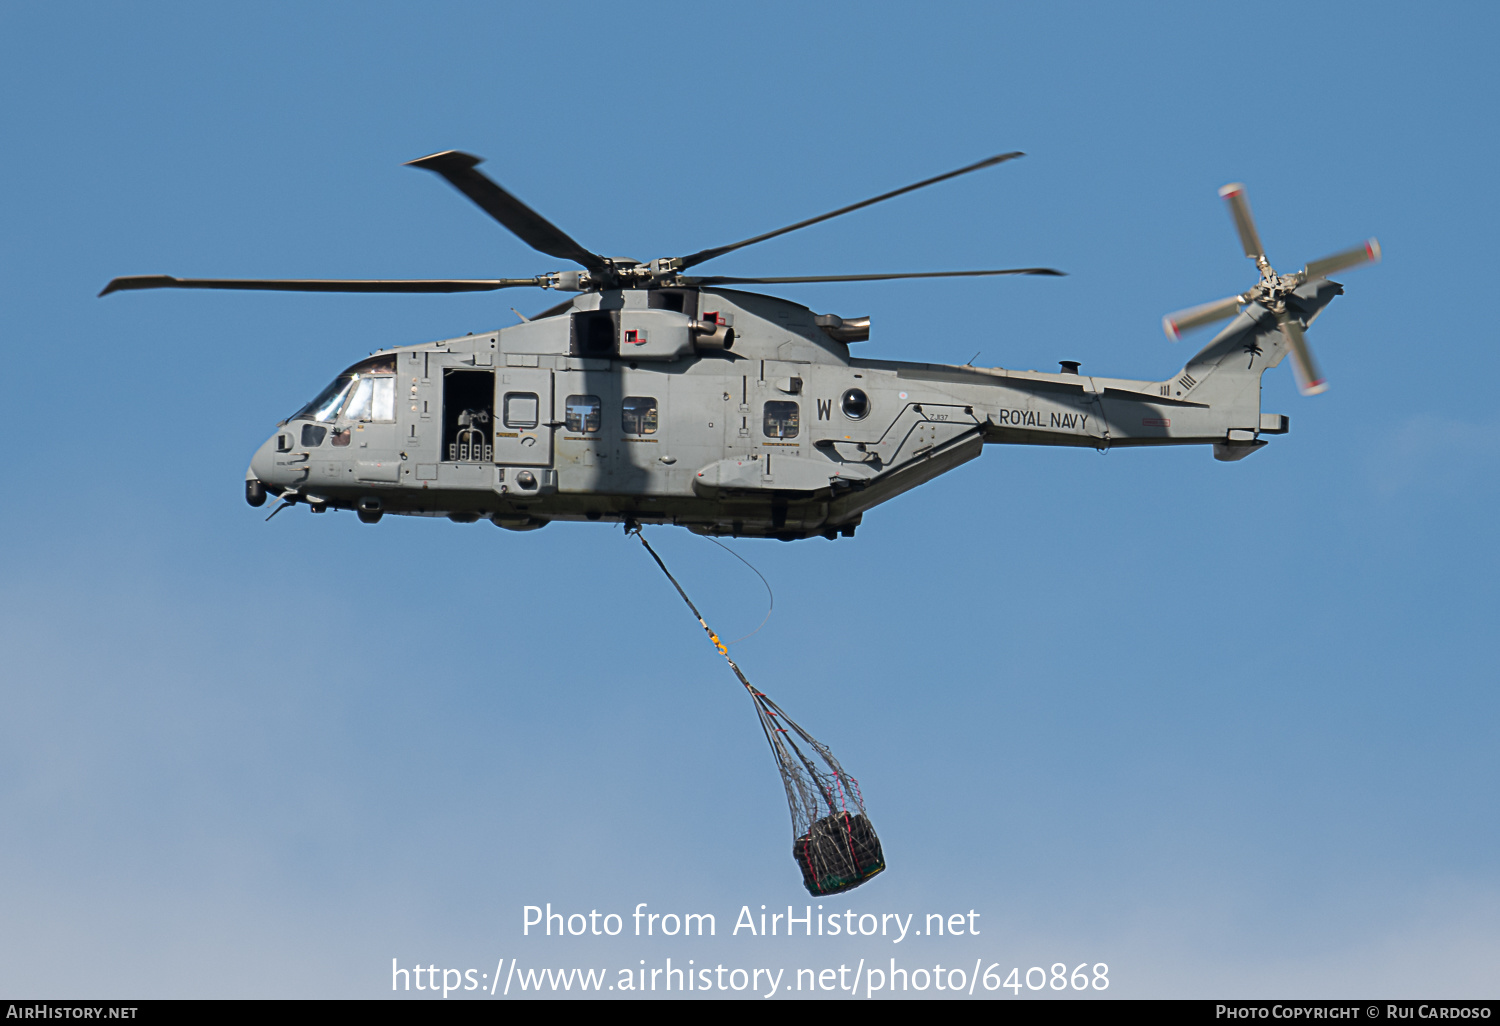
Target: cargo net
(835, 846)
(833, 842)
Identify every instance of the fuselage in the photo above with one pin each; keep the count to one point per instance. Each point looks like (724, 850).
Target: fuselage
(726, 412)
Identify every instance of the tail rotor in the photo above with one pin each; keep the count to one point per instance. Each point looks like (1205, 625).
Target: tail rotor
(1272, 291)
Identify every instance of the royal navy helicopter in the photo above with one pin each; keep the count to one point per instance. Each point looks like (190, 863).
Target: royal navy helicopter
(653, 396)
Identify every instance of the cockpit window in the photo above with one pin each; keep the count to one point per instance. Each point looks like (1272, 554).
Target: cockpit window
(366, 391)
(358, 407)
(326, 406)
(373, 398)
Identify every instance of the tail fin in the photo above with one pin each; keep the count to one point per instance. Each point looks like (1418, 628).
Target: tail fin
(1227, 371)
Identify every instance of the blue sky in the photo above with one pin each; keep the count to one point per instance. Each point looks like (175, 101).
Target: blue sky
(1228, 728)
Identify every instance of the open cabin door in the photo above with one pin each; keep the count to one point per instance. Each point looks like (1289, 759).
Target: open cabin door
(523, 417)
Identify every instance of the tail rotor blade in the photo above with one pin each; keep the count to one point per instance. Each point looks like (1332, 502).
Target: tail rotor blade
(1195, 317)
(1239, 206)
(1309, 379)
(1369, 253)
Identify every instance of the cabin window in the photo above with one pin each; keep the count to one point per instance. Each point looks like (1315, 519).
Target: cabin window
(782, 420)
(582, 413)
(638, 415)
(521, 409)
(312, 435)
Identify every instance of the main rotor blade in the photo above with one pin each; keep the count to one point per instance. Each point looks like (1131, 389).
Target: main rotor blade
(1369, 253)
(164, 281)
(1239, 206)
(1309, 378)
(1195, 317)
(529, 226)
(730, 280)
(699, 257)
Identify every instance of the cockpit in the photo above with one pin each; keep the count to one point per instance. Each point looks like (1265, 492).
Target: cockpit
(364, 392)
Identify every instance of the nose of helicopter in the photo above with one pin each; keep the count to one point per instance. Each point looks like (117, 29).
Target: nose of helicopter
(264, 475)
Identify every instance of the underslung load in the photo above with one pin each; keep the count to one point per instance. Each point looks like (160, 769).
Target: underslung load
(835, 846)
(833, 842)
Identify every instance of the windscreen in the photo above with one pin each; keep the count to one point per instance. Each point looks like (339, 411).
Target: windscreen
(366, 391)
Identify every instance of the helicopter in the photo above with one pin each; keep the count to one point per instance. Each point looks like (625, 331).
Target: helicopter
(652, 396)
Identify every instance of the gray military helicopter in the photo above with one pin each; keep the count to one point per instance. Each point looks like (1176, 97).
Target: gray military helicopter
(653, 396)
